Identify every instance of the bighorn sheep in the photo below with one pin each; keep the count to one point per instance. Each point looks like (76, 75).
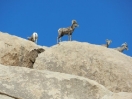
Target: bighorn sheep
(34, 37)
(67, 31)
(123, 47)
(107, 43)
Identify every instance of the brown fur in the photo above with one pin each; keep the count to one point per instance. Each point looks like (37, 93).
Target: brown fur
(67, 31)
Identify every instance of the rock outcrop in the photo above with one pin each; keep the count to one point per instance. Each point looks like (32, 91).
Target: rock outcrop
(30, 57)
(69, 70)
(25, 83)
(106, 66)
(16, 51)
(5, 97)
(33, 84)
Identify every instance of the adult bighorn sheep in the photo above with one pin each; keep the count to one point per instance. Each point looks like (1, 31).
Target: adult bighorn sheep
(67, 31)
(107, 43)
(123, 47)
(33, 37)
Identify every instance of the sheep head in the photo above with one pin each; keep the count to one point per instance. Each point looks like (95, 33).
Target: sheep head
(125, 45)
(74, 22)
(108, 41)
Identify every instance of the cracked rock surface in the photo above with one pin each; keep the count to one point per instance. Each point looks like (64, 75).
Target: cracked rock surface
(16, 51)
(69, 70)
(107, 66)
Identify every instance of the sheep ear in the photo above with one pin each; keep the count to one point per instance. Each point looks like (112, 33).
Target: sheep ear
(124, 44)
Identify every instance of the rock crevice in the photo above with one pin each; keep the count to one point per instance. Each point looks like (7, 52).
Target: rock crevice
(69, 70)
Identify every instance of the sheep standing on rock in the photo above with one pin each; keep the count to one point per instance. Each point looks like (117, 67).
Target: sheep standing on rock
(34, 37)
(67, 31)
(107, 43)
(123, 47)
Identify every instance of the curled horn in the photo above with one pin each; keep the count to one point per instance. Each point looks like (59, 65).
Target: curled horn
(74, 22)
(124, 44)
(108, 40)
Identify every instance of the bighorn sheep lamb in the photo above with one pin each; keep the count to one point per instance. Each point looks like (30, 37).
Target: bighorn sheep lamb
(123, 47)
(67, 31)
(107, 43)
(34, 37)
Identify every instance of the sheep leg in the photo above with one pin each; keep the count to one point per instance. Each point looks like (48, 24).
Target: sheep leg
(58, 40)
(36, 41)
(70, 37)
